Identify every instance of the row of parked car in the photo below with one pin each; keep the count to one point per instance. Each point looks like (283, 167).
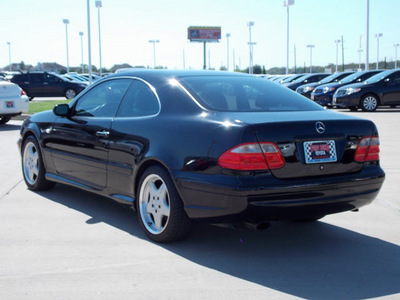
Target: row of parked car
(365, 89)
(17, 89)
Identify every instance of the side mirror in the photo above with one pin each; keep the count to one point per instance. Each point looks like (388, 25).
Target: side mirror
(61, 110)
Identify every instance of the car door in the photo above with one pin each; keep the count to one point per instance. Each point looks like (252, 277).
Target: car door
(391, 90)
(80, 142)
(131, 132)
(36, 85)
(52, 86)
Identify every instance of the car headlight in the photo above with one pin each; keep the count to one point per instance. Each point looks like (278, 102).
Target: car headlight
(308, 89)
(350, 91)
(328, 89)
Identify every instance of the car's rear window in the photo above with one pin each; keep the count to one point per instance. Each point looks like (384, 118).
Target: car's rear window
(244, 93)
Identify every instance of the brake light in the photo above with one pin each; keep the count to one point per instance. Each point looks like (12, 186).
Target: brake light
(252, 156)
(22, 92)
(367, 149)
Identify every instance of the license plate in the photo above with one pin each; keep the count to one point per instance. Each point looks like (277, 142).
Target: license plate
(320, 151)
(9, 104)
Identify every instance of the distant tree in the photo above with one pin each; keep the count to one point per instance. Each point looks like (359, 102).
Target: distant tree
(22, 66)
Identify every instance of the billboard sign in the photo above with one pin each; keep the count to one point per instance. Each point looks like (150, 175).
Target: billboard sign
(204, 34)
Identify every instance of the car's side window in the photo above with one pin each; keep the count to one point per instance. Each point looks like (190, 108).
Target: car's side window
(139, 101)
(102, 100)
(36, 78)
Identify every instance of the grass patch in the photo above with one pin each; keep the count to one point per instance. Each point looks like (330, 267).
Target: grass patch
(35, 107)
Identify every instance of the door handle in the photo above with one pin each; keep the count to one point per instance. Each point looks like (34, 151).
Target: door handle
(103, 133)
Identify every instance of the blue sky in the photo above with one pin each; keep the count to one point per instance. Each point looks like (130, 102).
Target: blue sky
(37, 34)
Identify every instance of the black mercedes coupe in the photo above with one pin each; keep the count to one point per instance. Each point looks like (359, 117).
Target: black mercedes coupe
(185, 146)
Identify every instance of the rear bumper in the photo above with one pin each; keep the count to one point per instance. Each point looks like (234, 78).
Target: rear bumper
(279, 199)
(14, 106)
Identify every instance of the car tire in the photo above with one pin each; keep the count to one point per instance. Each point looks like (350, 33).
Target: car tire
(4, 119)
(369, 103)
(69, 93)
(160, 208)
(33, 169)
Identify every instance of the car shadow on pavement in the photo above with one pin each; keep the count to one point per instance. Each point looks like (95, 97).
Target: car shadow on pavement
(311, 261)
(9, 127)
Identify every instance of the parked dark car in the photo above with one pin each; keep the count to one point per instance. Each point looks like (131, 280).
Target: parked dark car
(291, 78)
(323, 94)
(181, 146)
(382, 89)
(307, 78)
(306, 89)
(44, 84)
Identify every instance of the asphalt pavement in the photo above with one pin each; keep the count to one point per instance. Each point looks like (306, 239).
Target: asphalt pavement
(69, 244)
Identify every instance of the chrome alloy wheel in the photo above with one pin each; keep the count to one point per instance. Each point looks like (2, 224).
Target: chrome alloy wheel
(30, 163)
(154, 204)
(369, 103)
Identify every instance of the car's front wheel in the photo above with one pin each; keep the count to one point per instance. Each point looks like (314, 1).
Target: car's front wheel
(369, 103)
(160, 208)
(4, 119)
(70, 93)
(32, 166)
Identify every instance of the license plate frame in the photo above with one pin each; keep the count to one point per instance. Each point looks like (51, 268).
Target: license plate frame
(321, 151)
(9, 104)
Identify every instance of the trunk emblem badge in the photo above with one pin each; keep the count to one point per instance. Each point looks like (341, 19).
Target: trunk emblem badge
(320, 127)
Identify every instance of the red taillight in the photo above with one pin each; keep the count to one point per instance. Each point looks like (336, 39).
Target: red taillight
(22, 92)
(367, 149)
(252, 156)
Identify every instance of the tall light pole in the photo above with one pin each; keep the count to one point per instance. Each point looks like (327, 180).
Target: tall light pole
(66, 22)
(81, 35)
(359, 58)
(99, 5)
(367, 40)
(310, 46)
(378, 35)
(89, 43)
(228, 35)
(395, 55)
(154, 51)
(287, 4)
(337, 42)
(9, 56)
(250, 24)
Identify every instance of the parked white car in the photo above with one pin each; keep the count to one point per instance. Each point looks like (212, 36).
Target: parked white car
(13, 101)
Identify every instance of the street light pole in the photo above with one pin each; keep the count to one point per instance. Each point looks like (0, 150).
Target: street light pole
(66, 22)
(250, 24)
(395, 55)
(367, 41)
(359, 58)
(310, 46)
(287, 4)
(337, 50)
(9, 56)
(378, 35)
(154, 51)
(81, 35)
(89, 43)
(228, 35)
(99, 5)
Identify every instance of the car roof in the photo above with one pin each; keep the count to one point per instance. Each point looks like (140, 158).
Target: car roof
(151, 74)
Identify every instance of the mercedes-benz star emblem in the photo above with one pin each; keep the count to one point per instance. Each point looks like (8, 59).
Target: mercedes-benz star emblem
(320, 127)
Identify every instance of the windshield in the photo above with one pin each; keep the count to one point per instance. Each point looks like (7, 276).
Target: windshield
(352, 77)
(291, 78)
(329, 78)
(378, 77)
(244, 93)
(300, 79)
